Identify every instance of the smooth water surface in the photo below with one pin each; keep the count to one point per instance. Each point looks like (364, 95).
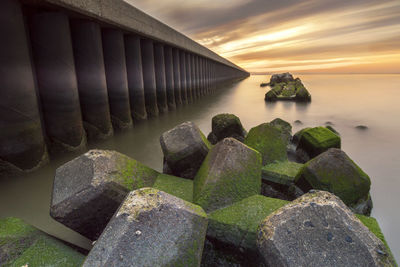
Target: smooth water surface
(343, 100)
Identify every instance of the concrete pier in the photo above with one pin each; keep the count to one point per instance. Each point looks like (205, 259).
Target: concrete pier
(116, 77)
(177, 76)
(92, 86)
(134, 70)
(184, 94)
(149, 78)
(159, 66)
(169, 77)
(189, 81)
(22, 146)
(56, 76)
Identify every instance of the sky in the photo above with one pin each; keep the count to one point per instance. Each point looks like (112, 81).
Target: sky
(307, 36)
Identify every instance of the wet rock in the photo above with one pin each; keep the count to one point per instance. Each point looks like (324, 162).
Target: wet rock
(284, 126)
(329, 123)
(270, 141)
(176, 186)
(151, 228)
(237, 224)
(317, 140)
(264, 84)
(218, 255)
(361, 127)
(302, 95)
(271, 96)
(281, 78)
(230, 173)
(296, 137)
(89, 189)
(299, 122)
(24, 245)
(184, 148)
(318, 228)
(335, 172)
(226, 125)
(332, 129)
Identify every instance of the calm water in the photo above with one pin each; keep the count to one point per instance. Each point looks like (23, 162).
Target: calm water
(344, 100)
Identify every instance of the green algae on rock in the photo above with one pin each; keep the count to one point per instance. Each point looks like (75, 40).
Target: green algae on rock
(285, 87)
(317, 140)
(237, 224)
(176, 186)
(89, 189)
(335, 172)
(270, 141)
(283, 173)
(226, 125)
(22, 244)
(230, 172)
(151, 228)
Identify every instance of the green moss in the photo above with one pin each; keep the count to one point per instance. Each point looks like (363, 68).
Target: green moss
(49, 252)
(289, 90)
(237, 224)
(22, 244)
(281, 172)
(179, 187)
(317, 140)
(205, 140)
(373, 226)
(269, 141)
(134, 175)
(211, 188)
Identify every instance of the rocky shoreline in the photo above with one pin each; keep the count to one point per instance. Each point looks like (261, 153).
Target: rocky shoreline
(259, 198)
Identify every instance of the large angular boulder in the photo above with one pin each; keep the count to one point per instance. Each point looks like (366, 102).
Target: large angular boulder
(184, 148)
(230, 172)
(318, 228)
(151, 228)
(226, 125)
(284, 126)
(270, 141)
(281, 78)
(335, 172)
(315, 141)
(24, 245)
(89, 189)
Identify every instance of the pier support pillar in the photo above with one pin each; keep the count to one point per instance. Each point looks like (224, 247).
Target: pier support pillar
(149, 78)
(116, 77)
(134, 71)
(177, 76)
(182, 59)
(169, 77)
(159, 66)
(92, 86)
(189, 83)
(193, 77)
(56, 76)
(22, 146)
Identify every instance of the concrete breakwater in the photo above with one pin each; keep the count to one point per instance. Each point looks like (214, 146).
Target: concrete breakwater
(72, 70)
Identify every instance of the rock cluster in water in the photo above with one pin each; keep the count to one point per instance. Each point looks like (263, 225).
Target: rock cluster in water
(285, 87)
(262, 198)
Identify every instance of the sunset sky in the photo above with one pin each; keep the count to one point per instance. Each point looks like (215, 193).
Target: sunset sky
(331, 36)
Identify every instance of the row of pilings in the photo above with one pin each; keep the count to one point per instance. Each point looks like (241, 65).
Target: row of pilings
(64, 80)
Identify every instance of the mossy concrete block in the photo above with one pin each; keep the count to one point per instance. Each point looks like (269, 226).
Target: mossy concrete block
(270, 141)
(237, 224)
(283, 173)
(335, 172)
(317, 140)
(271, 96)
(176, 186)
(89, 189)
(24, 245)
(297, 136)
(151, 228)
(302, 95)
(226, 125)
(319, 228)
(284, 126)
(231, 172)
(184, 148)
